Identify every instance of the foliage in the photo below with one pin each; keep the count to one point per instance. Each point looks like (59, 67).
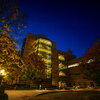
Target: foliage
(11, 18)
(65, 78)
(70, 55)
(34, 69)
(11, 22)
(92, 70)
(9, 57)
(93, 52)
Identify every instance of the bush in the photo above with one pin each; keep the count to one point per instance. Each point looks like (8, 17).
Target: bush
(3, 96)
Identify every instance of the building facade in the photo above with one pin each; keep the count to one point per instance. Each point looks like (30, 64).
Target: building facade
(77, 78)
(57, 62)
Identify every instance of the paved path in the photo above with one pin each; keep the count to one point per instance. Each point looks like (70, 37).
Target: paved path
(70, 95)
(29, 94)
(26, 94)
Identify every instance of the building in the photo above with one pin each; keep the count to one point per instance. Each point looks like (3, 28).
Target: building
(77, 78)
(54, 59)
(61, 68)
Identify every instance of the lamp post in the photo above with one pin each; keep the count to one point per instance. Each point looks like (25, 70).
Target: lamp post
(3, 95)
(2, 73)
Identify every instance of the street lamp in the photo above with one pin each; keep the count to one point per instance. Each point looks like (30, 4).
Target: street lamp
(2, 72)
(3, 95)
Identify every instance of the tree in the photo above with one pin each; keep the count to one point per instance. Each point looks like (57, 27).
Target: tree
(70, 55)
(10, 60)
(93, 52)
(91, 69)
(67, 76)
(11, 22)
(34, 69)
(12, 19)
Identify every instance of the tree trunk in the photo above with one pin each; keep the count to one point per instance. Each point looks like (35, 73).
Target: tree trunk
(1, 79)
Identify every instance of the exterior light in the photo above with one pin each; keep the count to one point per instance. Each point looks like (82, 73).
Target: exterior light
(2, 72)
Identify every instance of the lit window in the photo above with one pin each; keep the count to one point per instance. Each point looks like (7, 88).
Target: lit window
(44, 47)
(45, 41)
(44, 50)
(47, 60)
(61, 73)
(61, 65)
(61, 57)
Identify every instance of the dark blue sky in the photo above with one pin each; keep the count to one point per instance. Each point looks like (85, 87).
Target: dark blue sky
(71, 24)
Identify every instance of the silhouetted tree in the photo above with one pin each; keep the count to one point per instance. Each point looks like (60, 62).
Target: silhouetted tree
(91, 69)
(93, 52)
(11, 18)
(70, 55)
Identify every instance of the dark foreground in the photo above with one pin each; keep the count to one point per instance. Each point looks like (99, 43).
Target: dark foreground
(52, 95)
(74, 95)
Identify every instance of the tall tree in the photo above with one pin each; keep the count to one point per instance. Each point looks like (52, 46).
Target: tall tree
(34, 70)
(11, 20)
(91, 69)
(10, 60)
(70, 55)
(93, 52)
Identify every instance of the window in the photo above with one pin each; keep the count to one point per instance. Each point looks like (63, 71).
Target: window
(44, 50)
(61, 57)
(61, 73)
(44, 41)
(61, 65)
(43, 47)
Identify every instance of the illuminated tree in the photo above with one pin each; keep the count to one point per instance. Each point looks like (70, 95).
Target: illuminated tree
(66, 79)
(10, 60)
(11, 22)
(34, 69)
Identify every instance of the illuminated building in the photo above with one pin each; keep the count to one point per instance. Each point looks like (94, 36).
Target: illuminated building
(56, 61)
(77, 78)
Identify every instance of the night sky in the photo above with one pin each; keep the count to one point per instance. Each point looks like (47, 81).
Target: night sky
(71, 24)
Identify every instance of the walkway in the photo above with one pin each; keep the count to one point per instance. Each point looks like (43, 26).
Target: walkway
(29, 94)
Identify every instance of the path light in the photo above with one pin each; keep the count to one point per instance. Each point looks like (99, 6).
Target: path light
(2, 72)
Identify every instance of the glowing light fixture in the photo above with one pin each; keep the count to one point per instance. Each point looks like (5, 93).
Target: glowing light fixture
(2, 72)
(74, 65)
